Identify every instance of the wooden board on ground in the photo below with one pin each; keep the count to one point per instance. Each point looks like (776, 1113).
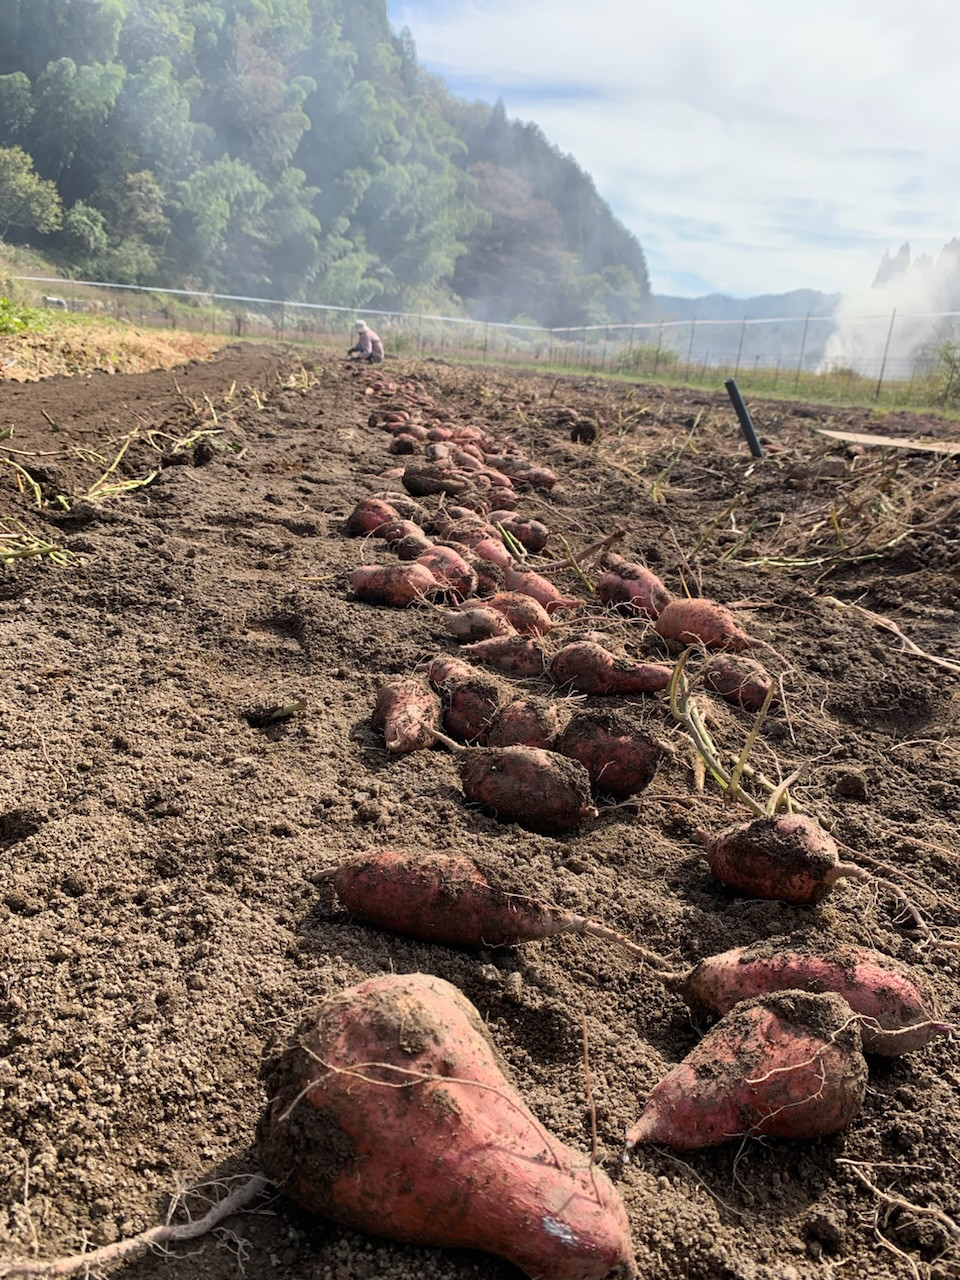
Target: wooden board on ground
(893, 442)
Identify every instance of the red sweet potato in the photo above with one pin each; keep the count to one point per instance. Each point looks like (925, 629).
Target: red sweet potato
(893, 1015)
(444, 897)
(404, 442)
(450, 569)
(585, 667)
(531, 534)
(538, 588)
(787, 1065)
(470, 698)
(788, 858)
(525, 722)
(525, 613)
(424, 478)
(633, 588)
(539, 789)
(453, 1159)
(738, 680)
(396, 530)
(412, 546)
(395, 584)
(492, 548)
(702, 622)
(620, 760)
(515, 655)
(369, 515)
(477, 624)
(405, 507)
(408, 712)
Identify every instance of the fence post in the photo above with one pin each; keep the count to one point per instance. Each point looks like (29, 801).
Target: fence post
(283, 318)
(656, 354)
(743, 330)
(420, 334)
(693, 329)
(606, 339)
(886, 352)
(803, 349)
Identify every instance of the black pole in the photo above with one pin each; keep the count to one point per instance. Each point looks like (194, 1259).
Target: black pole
(733, 391)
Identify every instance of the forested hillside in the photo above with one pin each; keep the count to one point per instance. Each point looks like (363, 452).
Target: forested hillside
(290, 148)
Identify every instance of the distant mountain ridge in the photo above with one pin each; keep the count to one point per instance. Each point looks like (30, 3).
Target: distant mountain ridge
(764, 306)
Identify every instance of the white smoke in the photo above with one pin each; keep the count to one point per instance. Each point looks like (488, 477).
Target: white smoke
(898, 322)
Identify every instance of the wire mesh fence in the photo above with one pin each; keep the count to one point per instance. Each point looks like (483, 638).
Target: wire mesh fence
(899, 359)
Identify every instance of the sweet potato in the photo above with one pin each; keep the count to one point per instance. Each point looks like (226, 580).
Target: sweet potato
(408, 712)
(891, 1010)
(633, 588)
(538, 588)
(444, 897)
(405, 507)
(539, 789)
(450, 569)
(424, 478)
(525, 613)
(396, 530)
(470, 698)
(525, 722)
(787, 1065)
(585, 667)
(390, 1114)
(412, 547)
(492, 549)
(395, 584)
(531, 534)
(515, 655)
(369, 515)
(477, 624)
(404, 442)
(620, 760)
(788, 858)
(738, 680)
(702, 622)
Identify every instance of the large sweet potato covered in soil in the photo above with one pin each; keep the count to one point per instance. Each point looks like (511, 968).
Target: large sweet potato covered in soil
(587, 667)
(515, 655)
(702, 622)
(620, 760)
(633, 588)
(522, 611)
(893, 1015)
(470, 698)
(525, 722)
(787, 1065)
(391, 1115)
(738, 680)
(407, 711)
(394, 584)
(539, 789)
(789, 858)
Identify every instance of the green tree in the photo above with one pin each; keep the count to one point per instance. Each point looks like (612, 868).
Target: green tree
(27, 201)
(16, 107)
(35, 32)
(83, 238)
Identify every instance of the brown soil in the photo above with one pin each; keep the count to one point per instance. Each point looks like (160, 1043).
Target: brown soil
(161, 930)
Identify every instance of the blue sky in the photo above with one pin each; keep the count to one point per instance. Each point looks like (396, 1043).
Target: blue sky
(751, 147)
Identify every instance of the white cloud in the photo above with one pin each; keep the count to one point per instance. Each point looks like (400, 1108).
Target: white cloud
(756, 148)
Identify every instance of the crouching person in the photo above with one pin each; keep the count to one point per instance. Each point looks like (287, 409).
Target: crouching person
(368, 345)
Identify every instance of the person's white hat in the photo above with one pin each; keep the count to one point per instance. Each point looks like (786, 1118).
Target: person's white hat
(361, 325)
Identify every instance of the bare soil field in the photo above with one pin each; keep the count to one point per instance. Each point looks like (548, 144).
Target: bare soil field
(161, 925)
